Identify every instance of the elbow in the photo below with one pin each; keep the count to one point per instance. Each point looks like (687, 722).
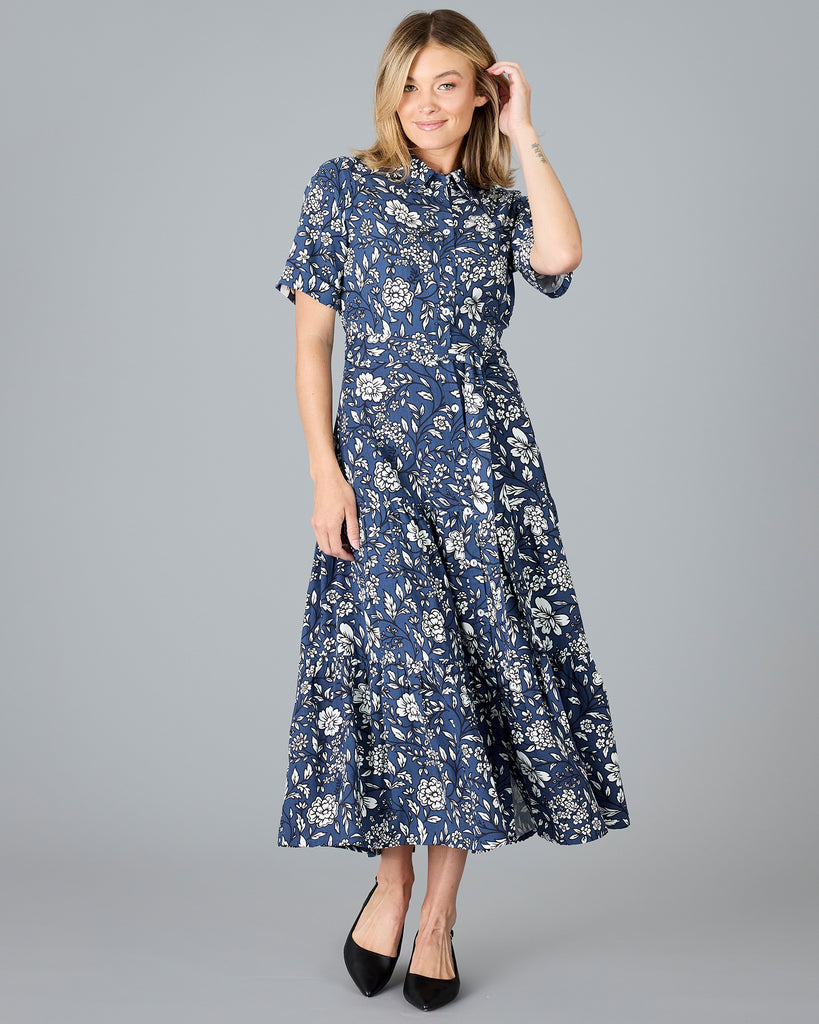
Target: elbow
(559, 263)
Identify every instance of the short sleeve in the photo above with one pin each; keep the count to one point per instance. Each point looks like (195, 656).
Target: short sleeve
(523, 238)
(315, 262)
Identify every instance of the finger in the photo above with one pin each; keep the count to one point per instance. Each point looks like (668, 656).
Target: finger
(345, 542)
(337, 549)
(323, 538)
(509, 68)
(351, 519)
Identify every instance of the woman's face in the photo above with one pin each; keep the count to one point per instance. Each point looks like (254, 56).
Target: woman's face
(438, 102)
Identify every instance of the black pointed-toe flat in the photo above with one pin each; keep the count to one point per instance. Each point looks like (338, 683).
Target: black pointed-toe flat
(370, 971)
(430, 993)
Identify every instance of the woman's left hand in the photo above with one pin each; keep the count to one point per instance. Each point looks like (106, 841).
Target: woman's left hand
(515, 96)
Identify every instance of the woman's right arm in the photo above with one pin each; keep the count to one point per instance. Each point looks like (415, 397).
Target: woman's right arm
(334, 499)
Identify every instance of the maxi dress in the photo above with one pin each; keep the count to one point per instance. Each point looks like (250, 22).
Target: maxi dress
(446, 693)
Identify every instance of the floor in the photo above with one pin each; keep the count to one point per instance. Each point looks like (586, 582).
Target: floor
(180, 938)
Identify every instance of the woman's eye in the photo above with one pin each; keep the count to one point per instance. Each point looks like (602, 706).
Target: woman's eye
(450, 85)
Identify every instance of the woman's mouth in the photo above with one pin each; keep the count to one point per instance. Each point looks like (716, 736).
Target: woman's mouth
(429, 126)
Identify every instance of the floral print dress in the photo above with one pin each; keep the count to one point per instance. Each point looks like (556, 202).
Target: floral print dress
(446, 693)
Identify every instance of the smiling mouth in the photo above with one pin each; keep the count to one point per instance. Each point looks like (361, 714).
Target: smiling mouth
(429, 126)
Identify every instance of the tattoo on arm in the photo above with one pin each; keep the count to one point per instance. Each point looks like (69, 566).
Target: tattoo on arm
(539, 152)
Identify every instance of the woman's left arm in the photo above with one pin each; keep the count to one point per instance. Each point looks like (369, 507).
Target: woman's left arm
(557, 247)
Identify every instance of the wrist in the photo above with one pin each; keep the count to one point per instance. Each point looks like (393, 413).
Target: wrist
(324, 466)
(523, 137)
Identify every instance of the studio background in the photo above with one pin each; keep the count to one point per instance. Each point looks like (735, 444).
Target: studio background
(155, 534)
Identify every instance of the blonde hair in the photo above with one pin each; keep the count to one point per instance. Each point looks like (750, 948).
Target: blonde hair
(487, 152)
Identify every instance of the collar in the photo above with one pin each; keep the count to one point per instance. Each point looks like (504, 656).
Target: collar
(421, 174)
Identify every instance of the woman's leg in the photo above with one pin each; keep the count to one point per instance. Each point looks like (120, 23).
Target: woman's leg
(432, 947)
(380, 924)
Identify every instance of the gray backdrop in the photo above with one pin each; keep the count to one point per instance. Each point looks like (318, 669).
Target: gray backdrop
(156, 541)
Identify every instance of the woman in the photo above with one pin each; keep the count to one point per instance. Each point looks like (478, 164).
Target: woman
(446, 696)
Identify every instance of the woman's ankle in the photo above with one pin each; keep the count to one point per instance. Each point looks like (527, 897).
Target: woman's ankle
(440, 918)
(395, 883)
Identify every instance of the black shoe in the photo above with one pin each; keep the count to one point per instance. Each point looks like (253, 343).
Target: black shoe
(430, 993)
(370, 971)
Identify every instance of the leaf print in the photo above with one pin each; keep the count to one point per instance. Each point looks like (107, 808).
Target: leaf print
(513, 496)
(445, 692)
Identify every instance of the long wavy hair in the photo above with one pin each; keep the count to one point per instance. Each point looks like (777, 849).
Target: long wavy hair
(487, 152)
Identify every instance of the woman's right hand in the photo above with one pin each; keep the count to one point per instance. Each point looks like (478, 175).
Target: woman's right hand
(334, 504)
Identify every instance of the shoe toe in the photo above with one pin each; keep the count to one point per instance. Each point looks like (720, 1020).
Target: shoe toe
(370, 971)
(430, 993)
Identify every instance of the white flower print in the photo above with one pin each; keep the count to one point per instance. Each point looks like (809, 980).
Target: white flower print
(514, 682)
(613, 769)
(385, 477)
(472, 306)
(361, 697)
(479, 491)
(580, 645)
(346, 639)
(379, 759)
(431, 793)
(454, 543)
(540, 734)
(560, 576)
(330, 720)
(322, 811)
(407, 706)
(473, 399)
(506, 541)
(418, 536)
(546, 618)
(522, 446)
(370, 388)
(482, 223)
(433, 624)
(396, 294)
(534, 518)
(402, 213)
(469, 638)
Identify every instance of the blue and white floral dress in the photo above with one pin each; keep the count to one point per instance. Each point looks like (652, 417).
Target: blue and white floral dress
(446, 693)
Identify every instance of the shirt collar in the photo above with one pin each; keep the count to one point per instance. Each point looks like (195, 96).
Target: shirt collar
(423, 175)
